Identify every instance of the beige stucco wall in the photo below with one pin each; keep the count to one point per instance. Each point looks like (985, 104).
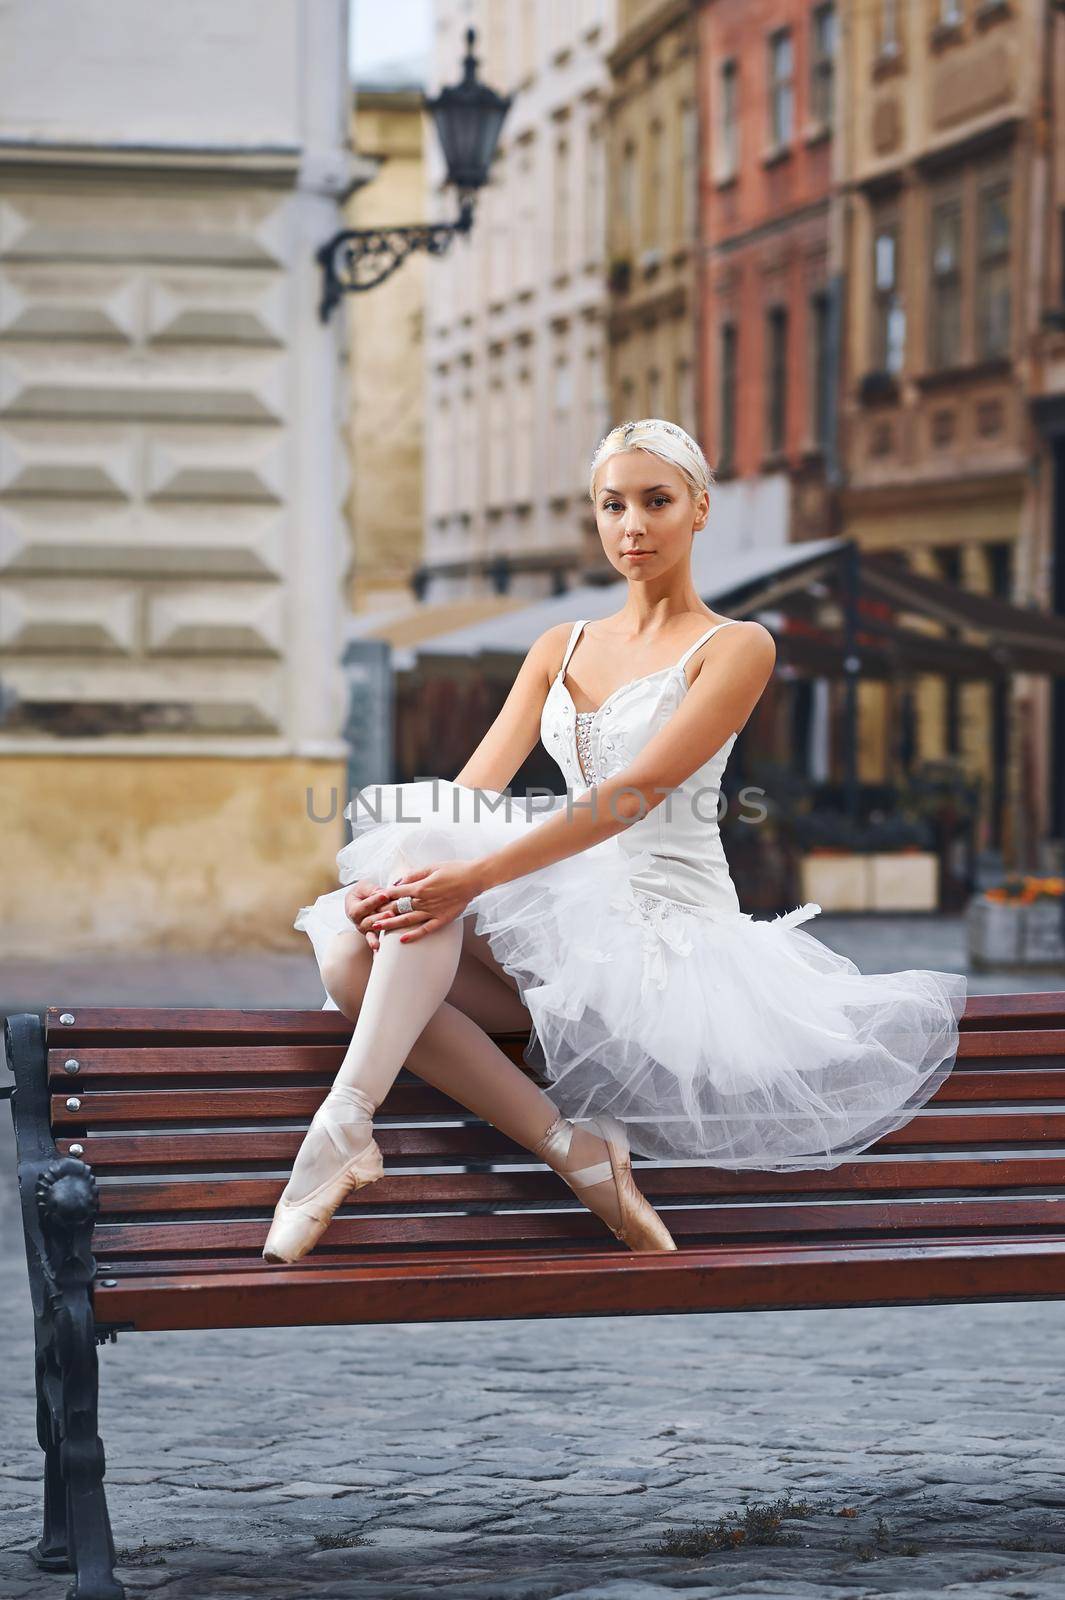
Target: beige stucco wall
(387, 341)
(136, 854)
(172, 471)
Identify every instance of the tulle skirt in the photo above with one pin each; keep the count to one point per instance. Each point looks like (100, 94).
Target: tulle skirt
(712, 1036)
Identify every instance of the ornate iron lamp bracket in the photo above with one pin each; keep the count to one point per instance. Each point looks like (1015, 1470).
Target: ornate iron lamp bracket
(360, 258)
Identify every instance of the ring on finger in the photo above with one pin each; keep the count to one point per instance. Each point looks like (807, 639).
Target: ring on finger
(404, 904)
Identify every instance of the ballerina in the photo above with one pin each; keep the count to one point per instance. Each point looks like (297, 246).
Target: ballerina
(664, 1018)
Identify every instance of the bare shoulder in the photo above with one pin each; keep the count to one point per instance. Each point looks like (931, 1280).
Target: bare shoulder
(759, 644)
(547, 651)
(748, 642)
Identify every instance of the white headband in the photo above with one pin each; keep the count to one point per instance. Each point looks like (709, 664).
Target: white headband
(627, 436)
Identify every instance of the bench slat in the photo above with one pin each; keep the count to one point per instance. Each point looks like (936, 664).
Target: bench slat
(194, 1026)
(263, 1065)
(129, 1025)
(888, 1177)
(593, 1283)
(143, 1108)
(532, 1252)
(726, 1219)
(928, 1129)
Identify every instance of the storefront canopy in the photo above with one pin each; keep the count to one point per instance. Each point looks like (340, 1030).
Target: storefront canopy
(749, 579)
(1016, 638)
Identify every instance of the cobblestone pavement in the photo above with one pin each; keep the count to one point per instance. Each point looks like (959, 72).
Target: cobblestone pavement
(549, 1460)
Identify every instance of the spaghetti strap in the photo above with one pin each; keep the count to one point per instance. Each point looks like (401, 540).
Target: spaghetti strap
(709, 634)
(574, 636)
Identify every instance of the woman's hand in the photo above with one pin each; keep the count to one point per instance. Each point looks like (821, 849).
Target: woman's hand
(440, 894)
(362, 903)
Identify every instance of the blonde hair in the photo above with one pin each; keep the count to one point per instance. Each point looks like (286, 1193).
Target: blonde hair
(660, 438)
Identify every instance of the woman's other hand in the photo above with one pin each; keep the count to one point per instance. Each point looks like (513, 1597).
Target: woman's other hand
(362, 903)
(440, 894)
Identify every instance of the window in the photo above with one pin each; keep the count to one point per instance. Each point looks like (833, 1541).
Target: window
(442, 457)
(559, 24)
(945, 302)
(689, 170)
(999, 558)
(888, 43)
(727, 398)
(948, 561)
(562, 399)
(598, 397)
(685, 392)
(656, 187)
(562, 206)
(524, 439)
(949, 13)
(468, 450)
(655, 397)
(889, 318)
(820, 366)
(527, 244)
(627, 193)
(823, 66)
(528, 53)
(594, 221)
(781, 89)
(993, 272)
(776, 379)
(499, 429)
(730, 123)
(496, 235)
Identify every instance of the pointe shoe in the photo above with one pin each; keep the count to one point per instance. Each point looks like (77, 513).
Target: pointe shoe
(642, 1229)
(298, 1224)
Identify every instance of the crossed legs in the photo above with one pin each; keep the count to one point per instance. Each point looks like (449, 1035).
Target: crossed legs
(427, 1005)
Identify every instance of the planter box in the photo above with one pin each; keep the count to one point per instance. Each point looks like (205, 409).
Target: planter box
(903, 880)
(882, 880)
(837, 883)
(1043, 941)
(993, 929)
(1004, 935)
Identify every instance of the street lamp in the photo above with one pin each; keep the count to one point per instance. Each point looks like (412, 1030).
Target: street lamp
(468, 118)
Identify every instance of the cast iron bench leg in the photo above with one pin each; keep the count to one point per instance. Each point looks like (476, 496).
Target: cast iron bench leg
(59, 1206)
(50, 1552)
(81, 1455)
(67, 1203)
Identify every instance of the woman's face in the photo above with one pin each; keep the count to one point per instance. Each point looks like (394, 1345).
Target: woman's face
(645, 513)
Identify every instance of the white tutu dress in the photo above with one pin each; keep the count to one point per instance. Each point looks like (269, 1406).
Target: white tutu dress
(653, 998)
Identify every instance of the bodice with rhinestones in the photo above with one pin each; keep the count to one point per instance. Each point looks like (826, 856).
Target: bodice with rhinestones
(589, 769)
(682, 832)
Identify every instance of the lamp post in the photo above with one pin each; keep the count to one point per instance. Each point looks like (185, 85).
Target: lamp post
(468, 118)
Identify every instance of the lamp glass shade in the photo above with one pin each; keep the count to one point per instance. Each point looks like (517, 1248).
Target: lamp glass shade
(468, 117)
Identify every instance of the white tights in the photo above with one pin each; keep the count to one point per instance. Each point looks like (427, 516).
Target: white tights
(427, 1005)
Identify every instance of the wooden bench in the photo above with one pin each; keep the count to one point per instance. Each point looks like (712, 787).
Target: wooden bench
(153, 1144)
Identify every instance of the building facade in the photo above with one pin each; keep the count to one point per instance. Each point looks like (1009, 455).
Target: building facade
(768, 108)
(386, 505)
(516, 365)
(172, 472)
(1043, 576)
(652, 134)
(937, 174)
